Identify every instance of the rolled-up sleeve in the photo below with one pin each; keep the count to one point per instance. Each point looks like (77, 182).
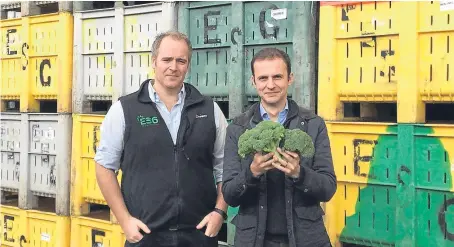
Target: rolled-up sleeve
(110, 146)
(218, 152)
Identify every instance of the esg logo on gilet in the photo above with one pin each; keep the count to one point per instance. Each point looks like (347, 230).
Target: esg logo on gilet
(147, 121)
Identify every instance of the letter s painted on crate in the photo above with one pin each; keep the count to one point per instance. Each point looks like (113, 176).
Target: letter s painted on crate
(22, 240)
(25, 55)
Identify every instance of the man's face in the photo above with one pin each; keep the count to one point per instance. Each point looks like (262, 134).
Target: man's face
(271, 80)
(171, 63)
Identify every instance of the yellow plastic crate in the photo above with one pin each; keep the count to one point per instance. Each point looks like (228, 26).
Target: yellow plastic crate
(84, 187)
(13, 230)
(33, 228)
(399, 52)
(36, 60)
(354, 146)
(395, 184)
(88, 232)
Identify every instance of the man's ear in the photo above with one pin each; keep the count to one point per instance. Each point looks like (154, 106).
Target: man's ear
(153, 62)
(253, 81)
(290, 79)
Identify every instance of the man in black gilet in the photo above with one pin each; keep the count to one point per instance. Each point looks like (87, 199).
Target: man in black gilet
(278, 199)
(168, 141)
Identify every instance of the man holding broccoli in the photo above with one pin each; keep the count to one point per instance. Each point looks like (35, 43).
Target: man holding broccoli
(277, 164)
(168, 140)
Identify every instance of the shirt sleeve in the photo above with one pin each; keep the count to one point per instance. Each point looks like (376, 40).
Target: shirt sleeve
(218, 152)
(110, 146)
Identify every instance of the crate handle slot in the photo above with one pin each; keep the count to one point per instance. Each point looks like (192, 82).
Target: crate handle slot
(10, 145)
(45, 158)
(36, 131)
(95, 139)
(45, 147)
(10, 156)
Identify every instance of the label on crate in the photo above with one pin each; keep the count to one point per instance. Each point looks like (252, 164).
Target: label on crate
(446, 5)
(279, 14)
(45, 237)
(49, 134)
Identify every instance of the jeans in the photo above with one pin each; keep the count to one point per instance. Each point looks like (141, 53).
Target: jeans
(179, 238)
(271, 243)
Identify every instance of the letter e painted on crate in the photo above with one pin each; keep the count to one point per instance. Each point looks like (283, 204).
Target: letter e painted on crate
(10, 38)
(357, 143)
(7, 228)
(208, 27)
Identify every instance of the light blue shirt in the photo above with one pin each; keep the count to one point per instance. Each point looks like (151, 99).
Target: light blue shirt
(281, 117)
(113, 126)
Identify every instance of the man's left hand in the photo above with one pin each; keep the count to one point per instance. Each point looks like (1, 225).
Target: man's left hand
(289, 163)
(213, 222)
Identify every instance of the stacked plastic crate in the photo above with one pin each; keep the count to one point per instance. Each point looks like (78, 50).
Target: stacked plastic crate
(385, 78)
(112, 57)
(226, 35)
(36, 78)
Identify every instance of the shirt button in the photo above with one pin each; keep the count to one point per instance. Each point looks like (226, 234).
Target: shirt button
(306, 190)
(261, 207)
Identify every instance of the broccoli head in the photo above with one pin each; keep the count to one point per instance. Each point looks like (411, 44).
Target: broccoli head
(264, 137)
(300, 142)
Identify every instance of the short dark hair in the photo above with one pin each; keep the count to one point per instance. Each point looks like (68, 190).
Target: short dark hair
(175, 35)
(271, 53)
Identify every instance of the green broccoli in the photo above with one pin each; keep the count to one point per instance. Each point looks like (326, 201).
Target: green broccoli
(298, 141)
(267, 136)
(264, 137)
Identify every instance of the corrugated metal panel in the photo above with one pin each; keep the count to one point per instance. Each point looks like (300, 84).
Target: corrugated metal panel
(108, 66)
(226, 35)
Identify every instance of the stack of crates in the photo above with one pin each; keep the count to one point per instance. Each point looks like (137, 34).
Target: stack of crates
(112, 54)
(36, 79)
(225, 37)
(386, 90)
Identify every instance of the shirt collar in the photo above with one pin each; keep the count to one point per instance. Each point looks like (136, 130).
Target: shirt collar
(281, 115)
(155, 97)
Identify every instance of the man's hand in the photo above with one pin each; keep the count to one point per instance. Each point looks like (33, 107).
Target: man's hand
(131, 227)
(213, 222)
(289, 164)
(261, 164)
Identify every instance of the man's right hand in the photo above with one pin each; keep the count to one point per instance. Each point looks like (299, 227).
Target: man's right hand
(261, 164)
(131, 227)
